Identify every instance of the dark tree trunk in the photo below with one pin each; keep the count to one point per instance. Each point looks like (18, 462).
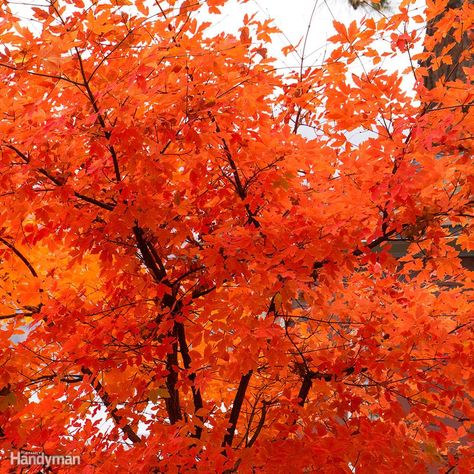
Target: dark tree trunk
(448, 72)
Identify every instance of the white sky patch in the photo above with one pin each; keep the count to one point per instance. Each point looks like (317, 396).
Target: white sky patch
(307, 25)
(293, 18)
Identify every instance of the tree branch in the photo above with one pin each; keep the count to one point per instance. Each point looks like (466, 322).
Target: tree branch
(239, 187)
(16, 315)
(172, 402)
(158, 271)
(155, 266)
(20, 256)
(236, 408)
(39, 74)
(100, 118)
(60, 181)
(197, 397)
(261, 422)
(104, 396)
(305, 388)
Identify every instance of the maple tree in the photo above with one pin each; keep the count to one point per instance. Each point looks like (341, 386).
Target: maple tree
(184, 266)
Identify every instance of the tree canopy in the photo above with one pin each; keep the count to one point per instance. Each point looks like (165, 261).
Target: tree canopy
(190, 283)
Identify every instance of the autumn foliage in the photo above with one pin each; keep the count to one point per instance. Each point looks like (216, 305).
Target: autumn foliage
(195, 258)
